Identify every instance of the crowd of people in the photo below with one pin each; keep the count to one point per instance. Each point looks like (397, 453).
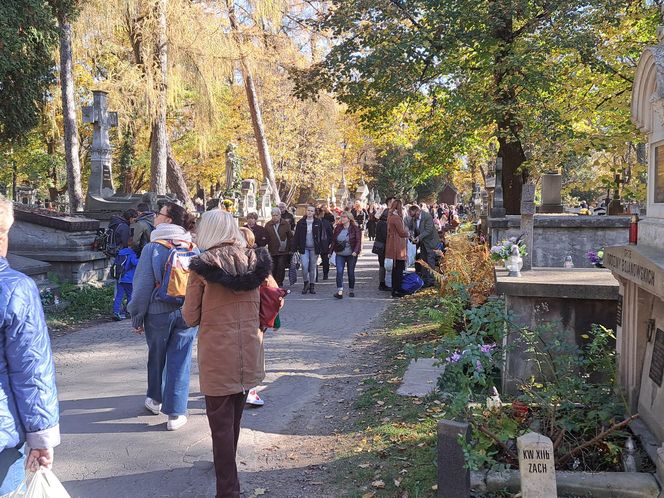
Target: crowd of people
(183, 279)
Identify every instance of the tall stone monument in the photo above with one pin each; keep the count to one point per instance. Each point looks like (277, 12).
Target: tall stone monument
(362, 191)
(101, 174)
(498, 210)
(343, 194)
(101, 192)
(497, 221)
(640, 267)
(528, 222)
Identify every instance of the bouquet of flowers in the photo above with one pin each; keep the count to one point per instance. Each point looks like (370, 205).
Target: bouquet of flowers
(502, 251)
(596, 258)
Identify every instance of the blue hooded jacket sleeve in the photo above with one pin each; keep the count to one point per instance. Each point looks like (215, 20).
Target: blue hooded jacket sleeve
(28, 370)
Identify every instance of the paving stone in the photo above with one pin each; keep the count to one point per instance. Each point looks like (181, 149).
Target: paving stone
(421, 377)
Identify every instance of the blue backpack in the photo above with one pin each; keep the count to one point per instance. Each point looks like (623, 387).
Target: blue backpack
(411, 282)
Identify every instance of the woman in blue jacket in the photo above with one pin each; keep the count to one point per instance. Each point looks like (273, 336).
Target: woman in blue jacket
(170, 340)
(29, 414)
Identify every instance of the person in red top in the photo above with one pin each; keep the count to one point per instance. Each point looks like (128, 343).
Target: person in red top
(347, 244)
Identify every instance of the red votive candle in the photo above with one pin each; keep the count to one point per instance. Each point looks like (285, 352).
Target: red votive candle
(634, 229)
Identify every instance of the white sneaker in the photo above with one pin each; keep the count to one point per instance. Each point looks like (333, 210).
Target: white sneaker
(152, 406)
(254, 399)
(175, 422)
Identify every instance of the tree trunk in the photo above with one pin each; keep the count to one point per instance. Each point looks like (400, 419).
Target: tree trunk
(69, 117)
(254, 107)
(513, 179)
(507, 123)
(177, 184)
(159, 155)
(259, 133)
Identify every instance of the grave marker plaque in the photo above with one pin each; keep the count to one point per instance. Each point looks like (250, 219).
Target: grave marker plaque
(657, 361)
(536, 466)
(659, 174)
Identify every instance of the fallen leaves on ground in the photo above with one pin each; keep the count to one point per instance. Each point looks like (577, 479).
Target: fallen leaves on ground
(378, 484)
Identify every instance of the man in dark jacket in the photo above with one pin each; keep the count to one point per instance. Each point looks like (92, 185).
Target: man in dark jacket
(143, 227)
(121, 232)
(29, 414)
(280, 245)
(425, 235)
(326, 232)
(287, 215)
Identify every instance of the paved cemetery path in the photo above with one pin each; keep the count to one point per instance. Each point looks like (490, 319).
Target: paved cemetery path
(112, 447)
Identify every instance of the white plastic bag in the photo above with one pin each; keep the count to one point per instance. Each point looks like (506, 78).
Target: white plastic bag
(43, 484)
(412, 252)
(389, 264)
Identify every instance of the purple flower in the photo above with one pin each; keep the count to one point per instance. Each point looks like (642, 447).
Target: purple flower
(454, 358)
(487, 348)
(593, 257)
(478, 366)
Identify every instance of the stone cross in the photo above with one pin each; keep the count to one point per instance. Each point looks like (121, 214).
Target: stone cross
(528, 222)
(536, 466)
(498, 210)
(615, 206)
(101, 175)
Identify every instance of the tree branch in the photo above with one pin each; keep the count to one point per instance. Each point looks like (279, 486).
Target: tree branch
(510, 454)
(566, 458)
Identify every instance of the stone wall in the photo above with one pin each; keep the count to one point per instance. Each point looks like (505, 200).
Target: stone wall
(556, 236)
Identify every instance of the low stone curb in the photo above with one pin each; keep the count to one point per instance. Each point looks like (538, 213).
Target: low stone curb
(595, 484)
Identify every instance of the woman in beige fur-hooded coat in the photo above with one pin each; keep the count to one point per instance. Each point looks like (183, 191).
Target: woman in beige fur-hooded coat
(223, 299)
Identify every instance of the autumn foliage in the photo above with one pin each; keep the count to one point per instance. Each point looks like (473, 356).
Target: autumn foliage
(466, 263)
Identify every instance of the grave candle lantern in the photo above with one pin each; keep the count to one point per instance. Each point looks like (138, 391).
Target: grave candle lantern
(634, 229)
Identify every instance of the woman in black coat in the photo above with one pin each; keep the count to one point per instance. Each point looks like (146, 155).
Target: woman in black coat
(359, 214)
(326, 232)
(372, 212)
(379, 248)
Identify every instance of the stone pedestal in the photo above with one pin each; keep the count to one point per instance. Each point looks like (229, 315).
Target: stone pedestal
(64, 242)
(37, 270)
(572, 300)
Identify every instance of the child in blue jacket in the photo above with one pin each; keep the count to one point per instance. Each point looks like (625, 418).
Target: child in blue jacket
(125, 264)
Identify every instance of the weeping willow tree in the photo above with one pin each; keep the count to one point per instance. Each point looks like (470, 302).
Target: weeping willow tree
(154, 59)
(225, 83)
